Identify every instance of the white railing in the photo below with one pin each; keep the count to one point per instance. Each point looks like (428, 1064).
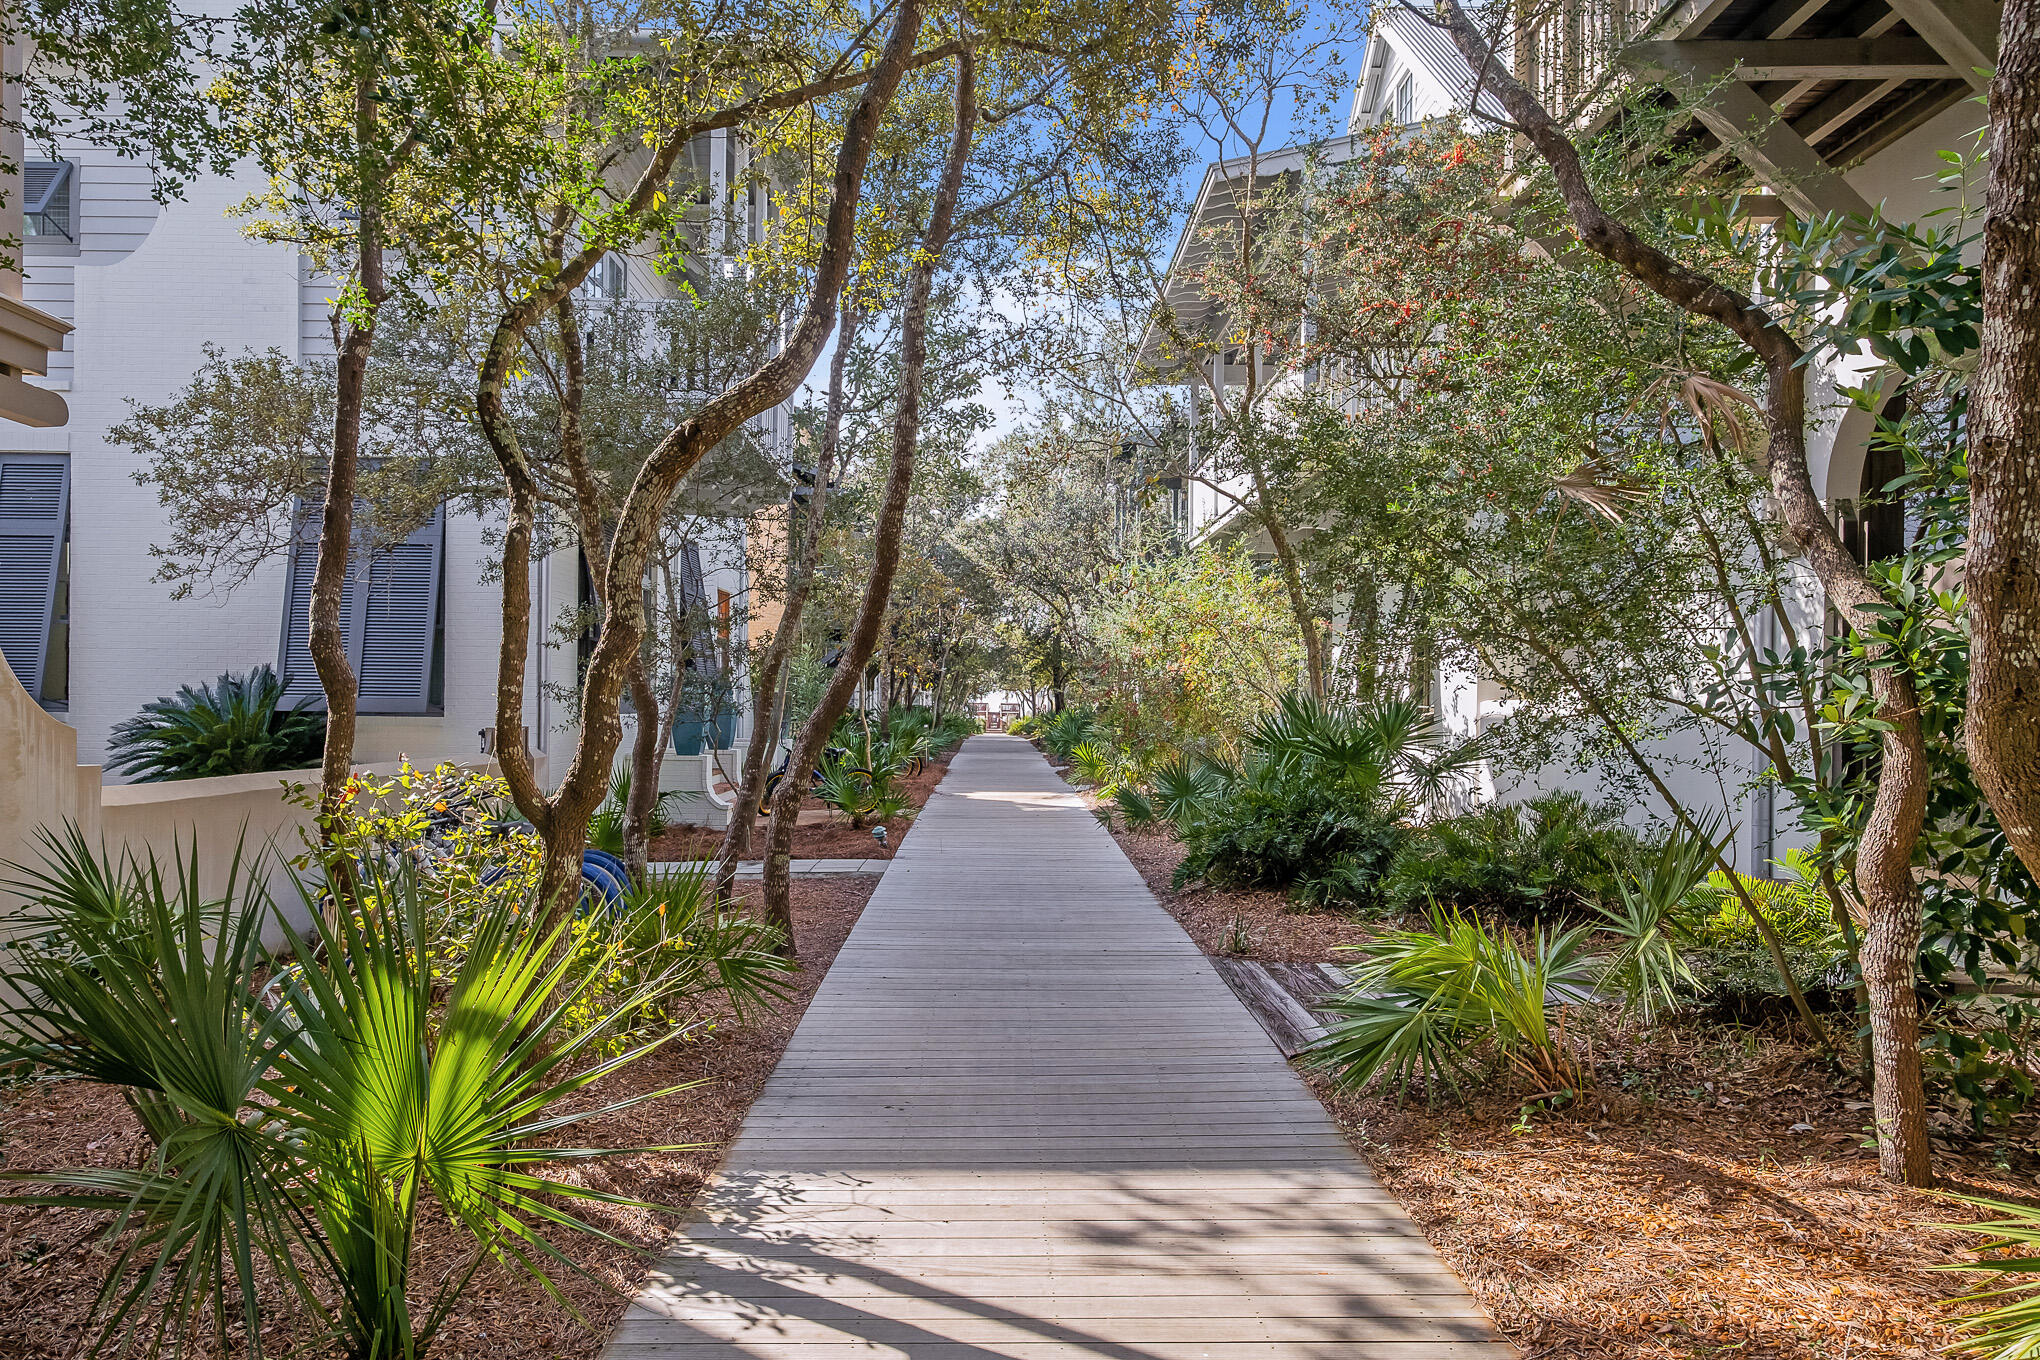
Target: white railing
(1569, 47)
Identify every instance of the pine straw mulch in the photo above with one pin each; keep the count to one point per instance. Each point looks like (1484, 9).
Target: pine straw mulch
(1711, 1197)
(1672, 1222)
(827, 837)
(51, 1262)
(1275, 931)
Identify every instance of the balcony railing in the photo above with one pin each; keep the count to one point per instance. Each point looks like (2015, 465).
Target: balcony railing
(1569, 46)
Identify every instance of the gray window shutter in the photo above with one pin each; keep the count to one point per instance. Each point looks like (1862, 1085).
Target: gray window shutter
(694, 599)
(294, 657)
(401, 615)
(46, 198)
(35, 493)
(390, 604)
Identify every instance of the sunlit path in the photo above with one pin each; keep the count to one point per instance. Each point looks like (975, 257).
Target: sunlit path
(1024, 1118)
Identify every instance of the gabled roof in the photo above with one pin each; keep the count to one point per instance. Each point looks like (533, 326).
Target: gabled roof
(1425, 46)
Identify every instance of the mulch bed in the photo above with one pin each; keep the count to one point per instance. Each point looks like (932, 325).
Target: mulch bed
(831, 838)
(1273, 930)
(51, 1262)
(1745, 1221)
(1711, 1197)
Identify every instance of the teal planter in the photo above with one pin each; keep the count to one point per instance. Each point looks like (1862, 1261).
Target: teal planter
(690, 735)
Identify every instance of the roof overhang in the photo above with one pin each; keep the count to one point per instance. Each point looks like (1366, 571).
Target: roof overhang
(1797, 92)
(27, 338)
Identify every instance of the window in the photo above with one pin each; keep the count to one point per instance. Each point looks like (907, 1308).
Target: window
(35, 495)
(1406, 99)
(607, 279)
(390, 612)
(47, 200)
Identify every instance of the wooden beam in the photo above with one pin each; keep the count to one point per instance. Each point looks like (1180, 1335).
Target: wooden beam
(1785, 18)
(1917, 109)
(1750, 128)
(1692, 17)
(1835, 112)
(1795, 59)
(1963, 31)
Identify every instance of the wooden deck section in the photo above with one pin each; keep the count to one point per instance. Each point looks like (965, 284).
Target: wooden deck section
(1024, 1118)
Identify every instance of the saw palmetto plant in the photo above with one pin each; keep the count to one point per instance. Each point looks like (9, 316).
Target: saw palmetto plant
(306, 1114)
(1425, 1005)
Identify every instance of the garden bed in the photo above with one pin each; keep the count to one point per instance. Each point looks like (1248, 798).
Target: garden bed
(1268, 923)
(1712, 1197)
(821, 834)
(1674, 1220)
(51, 1262)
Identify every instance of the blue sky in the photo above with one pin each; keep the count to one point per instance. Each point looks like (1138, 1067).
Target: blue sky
(1325, 57)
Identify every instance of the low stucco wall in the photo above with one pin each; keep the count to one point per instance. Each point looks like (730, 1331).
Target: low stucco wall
(42, 787)
(242, 817)
(41, 782)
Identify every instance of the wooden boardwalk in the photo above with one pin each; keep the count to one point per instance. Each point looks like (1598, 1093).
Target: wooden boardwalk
(1024, 1118)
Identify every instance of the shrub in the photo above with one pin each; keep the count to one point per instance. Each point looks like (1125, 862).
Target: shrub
(670, 930)
(1547, 857)
(1317, 801)
(1063, 732)
(236, 725)
(1102, 766)
(1426, 1003)
(1273, 829)
(848, 789)
(2010, 1328)
(453, 830)
(1732, 967)
(1650, 964)
(605, 828)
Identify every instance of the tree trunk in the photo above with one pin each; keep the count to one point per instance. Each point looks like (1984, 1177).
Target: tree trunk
(326, 633)
(645, 759)
(863, 639)
(1891, 946)
(2003, 569)
(800, 580)
(1891, 834)
(1292, 581)
(562, 820)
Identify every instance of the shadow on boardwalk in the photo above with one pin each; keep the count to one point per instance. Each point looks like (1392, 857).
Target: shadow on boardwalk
(1025, 1119)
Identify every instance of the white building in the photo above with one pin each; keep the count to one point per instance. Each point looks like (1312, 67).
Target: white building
(1832, 105)
(84, 625)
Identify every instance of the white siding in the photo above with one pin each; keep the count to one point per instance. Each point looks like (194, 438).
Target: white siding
(315, 312)
(116, 206)
(50, 284)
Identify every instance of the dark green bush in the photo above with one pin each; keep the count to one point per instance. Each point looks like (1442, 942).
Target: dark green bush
(1063, 732)
(236, 725)
(1547, 857)
(1279, 830)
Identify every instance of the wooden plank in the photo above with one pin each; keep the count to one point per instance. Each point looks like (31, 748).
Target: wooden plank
(1288, 1023)
(1963, 31)
(1024, 1117)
